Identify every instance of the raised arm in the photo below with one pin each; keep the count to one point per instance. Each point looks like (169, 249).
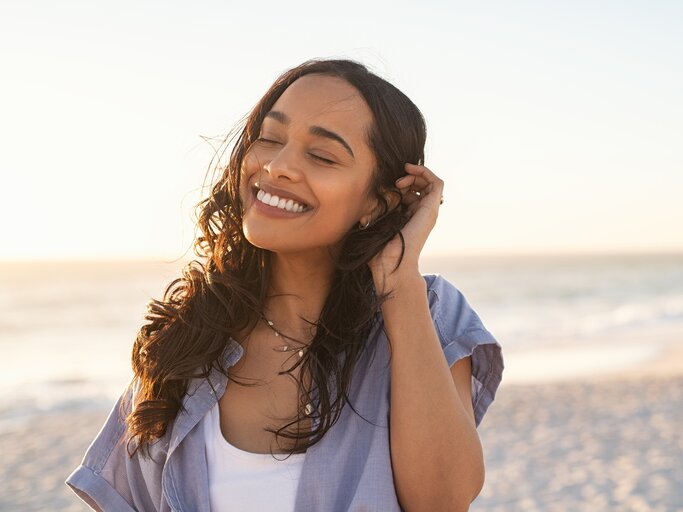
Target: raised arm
(436, 452)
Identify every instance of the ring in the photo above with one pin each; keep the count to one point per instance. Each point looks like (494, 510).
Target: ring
(417, 193)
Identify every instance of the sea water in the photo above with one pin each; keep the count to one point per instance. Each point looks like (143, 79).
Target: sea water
(67, 328)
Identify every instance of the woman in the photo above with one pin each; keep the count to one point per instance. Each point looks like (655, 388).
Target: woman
(338, 352)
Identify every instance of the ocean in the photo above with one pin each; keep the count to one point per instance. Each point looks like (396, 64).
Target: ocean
(67, 328)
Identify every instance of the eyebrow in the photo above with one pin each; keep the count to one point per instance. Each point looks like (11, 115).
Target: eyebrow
(314, 130)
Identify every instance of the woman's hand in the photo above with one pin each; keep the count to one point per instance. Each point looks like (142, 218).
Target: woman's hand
(422, 191)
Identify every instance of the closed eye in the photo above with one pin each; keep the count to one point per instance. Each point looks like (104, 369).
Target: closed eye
(324, 160)
(268, 141)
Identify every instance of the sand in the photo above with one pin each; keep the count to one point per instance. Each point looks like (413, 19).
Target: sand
(600, 445)
(38, 456)
(596, 444)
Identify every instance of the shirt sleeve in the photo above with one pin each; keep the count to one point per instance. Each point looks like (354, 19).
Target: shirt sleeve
(105, 476)
(462, 333)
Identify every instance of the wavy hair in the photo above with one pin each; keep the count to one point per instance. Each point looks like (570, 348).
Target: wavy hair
(223, 292)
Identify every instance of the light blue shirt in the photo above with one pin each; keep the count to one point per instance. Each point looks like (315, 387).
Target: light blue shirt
(349, 469)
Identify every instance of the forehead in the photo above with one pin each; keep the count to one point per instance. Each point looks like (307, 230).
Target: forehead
(327, 101)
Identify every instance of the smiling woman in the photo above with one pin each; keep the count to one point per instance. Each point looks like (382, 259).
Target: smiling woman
(305, 328)
(298, 156)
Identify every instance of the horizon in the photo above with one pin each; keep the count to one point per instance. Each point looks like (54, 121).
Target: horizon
(425, 257)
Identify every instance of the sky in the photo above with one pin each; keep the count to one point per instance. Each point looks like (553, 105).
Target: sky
(556, 126)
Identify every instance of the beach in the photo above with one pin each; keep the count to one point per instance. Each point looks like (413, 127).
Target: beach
(600, 443)
(587, 416)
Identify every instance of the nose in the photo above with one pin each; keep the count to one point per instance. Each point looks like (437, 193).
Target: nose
(284, 164)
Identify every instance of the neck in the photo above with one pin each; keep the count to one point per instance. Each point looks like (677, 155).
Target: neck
(299, 286)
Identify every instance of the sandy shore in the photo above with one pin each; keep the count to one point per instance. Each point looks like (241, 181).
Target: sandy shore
(39, 456)
(609, 444)
(603, 444)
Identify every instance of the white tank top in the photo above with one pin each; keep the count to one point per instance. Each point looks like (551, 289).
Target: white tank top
(248, 481)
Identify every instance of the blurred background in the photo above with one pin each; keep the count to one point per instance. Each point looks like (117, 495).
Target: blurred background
(556, 127)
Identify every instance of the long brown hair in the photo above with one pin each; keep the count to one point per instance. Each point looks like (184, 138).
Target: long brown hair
(224, 291)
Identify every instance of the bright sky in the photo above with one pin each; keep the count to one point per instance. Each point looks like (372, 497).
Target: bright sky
(557, 126)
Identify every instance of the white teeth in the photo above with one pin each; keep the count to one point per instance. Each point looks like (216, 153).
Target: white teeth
(284, 204)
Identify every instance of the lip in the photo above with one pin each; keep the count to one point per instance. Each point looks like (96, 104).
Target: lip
(274, 211)
(282, 194)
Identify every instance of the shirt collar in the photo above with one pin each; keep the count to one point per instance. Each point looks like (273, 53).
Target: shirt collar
(202, 394)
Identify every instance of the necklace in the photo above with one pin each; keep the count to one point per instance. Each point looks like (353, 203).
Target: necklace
(287, 348)
(282, 348)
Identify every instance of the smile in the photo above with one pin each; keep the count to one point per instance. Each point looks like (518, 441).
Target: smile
(284, 204)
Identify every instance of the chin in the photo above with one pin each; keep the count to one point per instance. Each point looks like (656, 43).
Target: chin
(264, 238)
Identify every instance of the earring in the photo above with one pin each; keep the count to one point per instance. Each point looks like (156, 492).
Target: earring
(365, 226)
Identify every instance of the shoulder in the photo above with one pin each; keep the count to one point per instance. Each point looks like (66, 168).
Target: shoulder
(107, 476)
(462, 334)
(452, 313)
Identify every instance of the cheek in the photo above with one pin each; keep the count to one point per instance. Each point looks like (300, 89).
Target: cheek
(248, 164)
(247, 171)
(343, 207)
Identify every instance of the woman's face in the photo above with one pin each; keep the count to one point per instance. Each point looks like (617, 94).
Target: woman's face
(311, 152)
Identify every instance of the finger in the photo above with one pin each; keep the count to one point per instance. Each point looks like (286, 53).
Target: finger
(409, 198)
(418, 170)
(408, 195)
(421, 171)
(419, 175)
(412, 181)
(419, 183)
(406, 180)
(413, 170)
(425, 177)
(421, 192)
(413, 208)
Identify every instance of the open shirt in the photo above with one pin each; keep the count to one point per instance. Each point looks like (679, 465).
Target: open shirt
(349, 469)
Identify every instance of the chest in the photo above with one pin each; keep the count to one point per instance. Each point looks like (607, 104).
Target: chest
(256, 398)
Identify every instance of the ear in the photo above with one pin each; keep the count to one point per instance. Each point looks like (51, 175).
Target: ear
(374, 207)
(392, 198)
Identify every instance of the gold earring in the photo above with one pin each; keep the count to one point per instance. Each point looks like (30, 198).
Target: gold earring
(365, 226)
